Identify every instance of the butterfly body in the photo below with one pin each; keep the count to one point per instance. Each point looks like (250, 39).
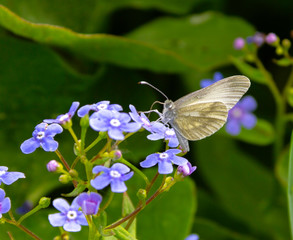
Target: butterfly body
(203, 112)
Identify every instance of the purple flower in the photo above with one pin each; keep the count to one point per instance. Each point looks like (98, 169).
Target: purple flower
(192, 237)
(64, 118)
(115, 176)
(241, 114)
(164, 161)
(207, 82)
(239, 43)
(89, 202)
(271, 38)
(114, 122)
(186, 169)
(140, 119)
(9, 177)
(5, 203)
(42, 136)
(25, 207)
(103, 105)
(69, 217)
(160, 131)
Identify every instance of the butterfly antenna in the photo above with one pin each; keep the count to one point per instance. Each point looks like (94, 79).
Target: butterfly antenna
(146, 83)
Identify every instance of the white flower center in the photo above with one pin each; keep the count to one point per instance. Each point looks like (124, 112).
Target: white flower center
(163, 155)
(40, 135)
(237, 112)
(2, 173)
(170, 132)
(71, 215)
(102, 106)
(115, 122)
(115, 174)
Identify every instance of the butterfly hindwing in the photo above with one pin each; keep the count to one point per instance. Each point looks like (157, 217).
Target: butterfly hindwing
(198, 121)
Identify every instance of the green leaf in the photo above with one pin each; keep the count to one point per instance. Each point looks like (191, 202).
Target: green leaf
(243, 187)
(290, 96)
(90, 16)
(283, 62)
(204, 41)
(261, 134)
(79, 189)
(127, 208)
(282, 167)
(251, 72)
(122, 234)
(207, 230)
(165, 45)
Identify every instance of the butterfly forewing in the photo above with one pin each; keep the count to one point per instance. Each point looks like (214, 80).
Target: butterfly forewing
(198, 121)
(228, 91)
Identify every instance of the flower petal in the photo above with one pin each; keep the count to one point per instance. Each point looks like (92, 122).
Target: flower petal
(5, 205)
(116, 133)
(127, 176)
(165, 167)
(233, 127)
(29, 146)
(120, 167)
(249, 120)
(57, 219)
(130, 127)
(53, 129)
(10, 177)
(72, 226)
(150, 161)
(206, 82)
(84, 110)
(101, 181)
(155, 136)
(61, 205)
(2, 194)
(73, 108)
(49, 144)
(118, 186)
(179, 160)
(98, 169)
(248, 103)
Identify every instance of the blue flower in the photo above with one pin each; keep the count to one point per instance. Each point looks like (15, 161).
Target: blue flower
(9, 177)
(114, 122)
(89, 203)
(207, 82)
(160, 131)
(69, 217)
(103, 105)
(192, 237)
(140, 119)
(64, 118)
(241, 114)
(115, 176)
(164, 161)
(5, 203)
(186, 169)
(42, 136)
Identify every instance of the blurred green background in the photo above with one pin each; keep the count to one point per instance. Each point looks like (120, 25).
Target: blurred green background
(59, 51)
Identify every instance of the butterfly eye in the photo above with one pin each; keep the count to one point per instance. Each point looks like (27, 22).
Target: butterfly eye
(168, 104)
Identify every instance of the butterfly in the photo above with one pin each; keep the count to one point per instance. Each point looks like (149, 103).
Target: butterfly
(203, 112)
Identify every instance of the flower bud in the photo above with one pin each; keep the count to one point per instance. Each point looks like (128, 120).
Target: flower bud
(64, 178)
(272, 38)
(141, 194)
(286, 43)
(84, 121)
(89, 202)
(73, 173)
(117, 154)
(239, 43)
(169, 181)
(279, 50)
(44, 202)
(185, 170)
(76, 148)
(54, 166)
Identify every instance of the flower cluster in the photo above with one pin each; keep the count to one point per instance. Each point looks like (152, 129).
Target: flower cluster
(258, 39)
(241, 114)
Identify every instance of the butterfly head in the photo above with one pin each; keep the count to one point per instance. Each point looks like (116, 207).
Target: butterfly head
(168, 111)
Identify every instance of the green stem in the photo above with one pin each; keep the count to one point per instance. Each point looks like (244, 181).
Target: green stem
(280, 107)
(135, 169)
(99, 138)
(290, 187)
(62, 159)
(107, 203)
(23, 228)
(74, 136)
(31, 212)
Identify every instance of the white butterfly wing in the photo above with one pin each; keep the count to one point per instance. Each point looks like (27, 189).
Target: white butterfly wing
(203, 112)
(228, 91)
